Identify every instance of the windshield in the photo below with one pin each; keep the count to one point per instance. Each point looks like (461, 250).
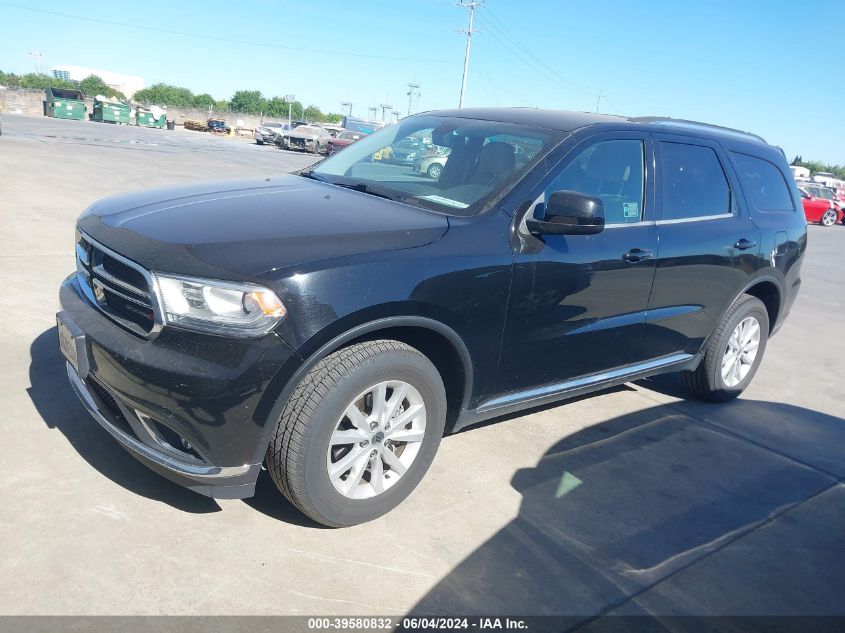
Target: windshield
(349, 136)
(476, 161)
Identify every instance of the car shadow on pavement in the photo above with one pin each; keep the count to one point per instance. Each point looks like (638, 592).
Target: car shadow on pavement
(60, 409)
(719, 509)
(269, 501)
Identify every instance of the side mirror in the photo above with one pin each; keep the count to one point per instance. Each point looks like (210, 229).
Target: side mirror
(568, 213)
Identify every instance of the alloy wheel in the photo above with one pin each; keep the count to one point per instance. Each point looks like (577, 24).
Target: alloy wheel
(741, 351)
(829, 217)
(376, 440)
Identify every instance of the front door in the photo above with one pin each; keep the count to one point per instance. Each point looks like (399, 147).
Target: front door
(578, 302)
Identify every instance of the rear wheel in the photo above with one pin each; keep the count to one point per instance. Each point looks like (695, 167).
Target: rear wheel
(259, 141)
(434, 170)
(828, 217)
(359, 432)
(733, 353)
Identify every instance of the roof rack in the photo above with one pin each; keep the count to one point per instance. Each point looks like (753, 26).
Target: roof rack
(665, 120)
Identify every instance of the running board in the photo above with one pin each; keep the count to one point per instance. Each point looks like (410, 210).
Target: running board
(539, 395)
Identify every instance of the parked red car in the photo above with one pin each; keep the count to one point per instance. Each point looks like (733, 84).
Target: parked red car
(820, 210)
(342, 140)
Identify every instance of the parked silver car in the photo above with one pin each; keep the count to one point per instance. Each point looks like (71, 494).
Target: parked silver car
(306, 138)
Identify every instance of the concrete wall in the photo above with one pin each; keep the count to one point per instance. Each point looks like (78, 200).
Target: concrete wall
(24, 101)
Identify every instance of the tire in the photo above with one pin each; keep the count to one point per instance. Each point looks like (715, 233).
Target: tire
(707, 380)
(259, 141)
(829, 217)
(434, 170)
(317, 147)
(299, 458)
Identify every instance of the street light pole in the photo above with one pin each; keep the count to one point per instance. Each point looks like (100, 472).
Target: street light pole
(290, 99)
(472, 5)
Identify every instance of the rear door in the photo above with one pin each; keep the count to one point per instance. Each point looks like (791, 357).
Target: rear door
(708, 244)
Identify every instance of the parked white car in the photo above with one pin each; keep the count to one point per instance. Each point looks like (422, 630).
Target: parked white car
(266, 132)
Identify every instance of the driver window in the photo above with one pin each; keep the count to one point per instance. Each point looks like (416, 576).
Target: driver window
(611, 171)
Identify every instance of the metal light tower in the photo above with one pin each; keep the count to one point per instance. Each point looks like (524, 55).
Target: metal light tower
(290, 99)
(385, 108)
(372, 111)
(472, 5)
(36, 58)
(413, 93)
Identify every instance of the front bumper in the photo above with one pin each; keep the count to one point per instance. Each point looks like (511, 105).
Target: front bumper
(191, 407)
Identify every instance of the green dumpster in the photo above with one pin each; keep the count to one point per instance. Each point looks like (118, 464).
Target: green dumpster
(64, 103)
(145, 118)
(111, 112)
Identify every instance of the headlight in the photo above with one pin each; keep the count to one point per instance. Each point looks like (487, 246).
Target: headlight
(218, 307)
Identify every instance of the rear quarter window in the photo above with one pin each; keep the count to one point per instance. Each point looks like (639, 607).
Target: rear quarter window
(764, 183)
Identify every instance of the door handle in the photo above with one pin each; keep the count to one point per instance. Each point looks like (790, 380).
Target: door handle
(637, 255)
(744, 244)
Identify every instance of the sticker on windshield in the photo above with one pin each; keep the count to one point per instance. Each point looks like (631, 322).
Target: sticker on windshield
(631, 210)
(445, 201)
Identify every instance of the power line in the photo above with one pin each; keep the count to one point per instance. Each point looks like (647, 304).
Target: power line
(516, 55)
(535, 62)
(226, 39)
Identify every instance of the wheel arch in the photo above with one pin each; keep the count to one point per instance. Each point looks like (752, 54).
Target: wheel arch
(767, 290)
(439, 342)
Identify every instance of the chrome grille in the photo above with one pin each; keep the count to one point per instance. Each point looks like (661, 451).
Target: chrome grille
(118, 287)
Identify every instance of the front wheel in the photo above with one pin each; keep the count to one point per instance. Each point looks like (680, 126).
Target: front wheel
(359, 432)
(733, 353)
(829, 217)
(434, 171)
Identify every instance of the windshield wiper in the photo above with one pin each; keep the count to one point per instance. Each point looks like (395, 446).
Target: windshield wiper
(364, 188)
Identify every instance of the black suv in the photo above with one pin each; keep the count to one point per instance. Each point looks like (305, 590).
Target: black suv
(333, 324)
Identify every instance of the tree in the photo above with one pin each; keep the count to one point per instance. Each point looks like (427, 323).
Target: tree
(37, 81)
(248, 101)
(165, 94)
(313, 113)
(221, 105)
(204, 101)
(93, 85)
(276, 108)
(816, 166)
(10, 80)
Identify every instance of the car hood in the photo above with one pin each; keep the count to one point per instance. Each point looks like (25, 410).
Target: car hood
(241, 229)
(301, 132)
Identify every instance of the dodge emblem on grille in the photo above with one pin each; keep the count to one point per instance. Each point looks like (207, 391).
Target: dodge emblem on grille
(98, 291)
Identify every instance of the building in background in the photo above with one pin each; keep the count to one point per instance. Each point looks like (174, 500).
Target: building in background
(127, 84)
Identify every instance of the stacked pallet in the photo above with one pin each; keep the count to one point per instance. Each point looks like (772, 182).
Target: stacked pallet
(199, 126)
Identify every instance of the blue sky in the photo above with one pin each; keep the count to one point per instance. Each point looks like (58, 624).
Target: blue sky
(764, 66)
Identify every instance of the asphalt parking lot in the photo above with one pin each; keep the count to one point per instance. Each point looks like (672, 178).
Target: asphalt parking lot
(631, 501)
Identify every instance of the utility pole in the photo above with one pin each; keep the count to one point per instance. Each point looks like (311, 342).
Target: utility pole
(472, 5)
(413, 93)
(347, 106)
(598, 101)
(385, 107)
(372, 111)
